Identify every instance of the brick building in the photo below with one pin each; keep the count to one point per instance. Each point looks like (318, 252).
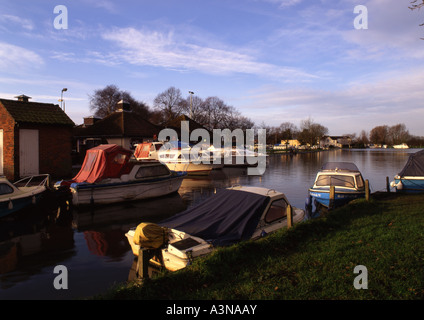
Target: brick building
(35, 138)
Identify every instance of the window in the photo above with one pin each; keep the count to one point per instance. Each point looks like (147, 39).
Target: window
(151, 171)
(120, 158)
(5, 188)
(277, 210)
(359, 181)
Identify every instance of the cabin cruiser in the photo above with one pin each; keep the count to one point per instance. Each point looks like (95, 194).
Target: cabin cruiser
(227, 217)
(21, 194)
(346, 180)
(411, 178)
(108, 176)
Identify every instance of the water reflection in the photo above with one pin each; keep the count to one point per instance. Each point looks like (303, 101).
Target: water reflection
(91, 242)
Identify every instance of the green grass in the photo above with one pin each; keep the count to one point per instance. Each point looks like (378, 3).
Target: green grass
(313, 260)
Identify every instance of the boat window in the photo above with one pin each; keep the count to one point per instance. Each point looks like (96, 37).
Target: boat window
(277, 210)
(359, 181)
(158, 146)
(335, 180)
(5, 188)
(91, 159)
(120, 158)
(151, 171)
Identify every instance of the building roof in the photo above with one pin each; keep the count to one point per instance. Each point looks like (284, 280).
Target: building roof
(119, 124)
(36, 112)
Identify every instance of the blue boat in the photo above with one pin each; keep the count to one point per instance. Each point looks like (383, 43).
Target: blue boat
(346, 179)
(21, 194)
(411, 178)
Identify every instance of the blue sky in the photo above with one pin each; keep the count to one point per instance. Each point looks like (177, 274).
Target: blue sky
(273, 60)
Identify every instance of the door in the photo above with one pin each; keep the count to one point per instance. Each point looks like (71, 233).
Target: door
(1, 152)
(28, 152)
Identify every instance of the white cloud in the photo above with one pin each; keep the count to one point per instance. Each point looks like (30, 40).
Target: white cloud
(17, 21)
(14, 58)
(167, 50)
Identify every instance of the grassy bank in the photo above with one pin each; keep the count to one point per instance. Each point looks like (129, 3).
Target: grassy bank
(313, 260)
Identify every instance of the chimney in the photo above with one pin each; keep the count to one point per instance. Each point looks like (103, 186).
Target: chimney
(123, 106)
(23, 98)
(89, 121)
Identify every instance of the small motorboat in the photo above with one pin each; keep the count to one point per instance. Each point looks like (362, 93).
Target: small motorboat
(227, 217)
(21, 194)
(346, 179)
(148, 151)
(411, 178)
(108, 176)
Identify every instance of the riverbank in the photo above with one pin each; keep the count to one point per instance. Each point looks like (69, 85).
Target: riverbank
(314, 260)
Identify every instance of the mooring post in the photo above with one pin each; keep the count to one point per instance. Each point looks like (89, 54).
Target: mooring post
(387, 184)
(332, 196)
(289, 217)
(142, 270)
(367, 190)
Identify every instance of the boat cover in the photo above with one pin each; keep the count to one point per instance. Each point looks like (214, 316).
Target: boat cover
(225, 218)
(341, 166)
(414, 166)
(104, 161)
(142, 150)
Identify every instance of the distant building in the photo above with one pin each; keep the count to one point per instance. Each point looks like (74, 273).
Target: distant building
(335, 142)
(35, 138)
(294, 143)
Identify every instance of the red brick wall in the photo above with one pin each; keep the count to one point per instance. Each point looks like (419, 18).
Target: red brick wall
(7, 123)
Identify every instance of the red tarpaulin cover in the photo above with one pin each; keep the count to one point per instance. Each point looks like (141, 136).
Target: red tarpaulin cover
(104, 161)
(142, 150)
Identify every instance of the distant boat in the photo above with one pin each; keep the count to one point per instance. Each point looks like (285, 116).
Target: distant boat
(401, 146)
(346, 179)
(148, 151)
(411, 178)
(108, 176)
(22, 193)
(227, 217)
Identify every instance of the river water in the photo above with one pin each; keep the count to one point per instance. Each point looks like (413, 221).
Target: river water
(91, 244)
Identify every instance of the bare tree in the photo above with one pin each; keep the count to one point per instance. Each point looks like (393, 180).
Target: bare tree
(311, 132)
(398, 134)
(105, 101)
(170, 103)
(379, 135)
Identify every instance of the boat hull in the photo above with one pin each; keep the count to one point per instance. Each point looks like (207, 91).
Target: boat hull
(15, 204)
(190, 168)
(125, 191)
(409, 184)
(341, 197)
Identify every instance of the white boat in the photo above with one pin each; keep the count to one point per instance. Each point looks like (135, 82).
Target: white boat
(401, 146)
(229, 216)
(108, 176)
(411, 178)
(22, 193)
(179, 158)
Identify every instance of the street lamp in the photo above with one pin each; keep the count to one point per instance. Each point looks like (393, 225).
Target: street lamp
(61, 98)
(191, 94)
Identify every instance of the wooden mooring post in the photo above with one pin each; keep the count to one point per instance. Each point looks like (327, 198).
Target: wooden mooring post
(142, 269)
(289, 217)
(332, 196)
(387, 184)
(367, 190)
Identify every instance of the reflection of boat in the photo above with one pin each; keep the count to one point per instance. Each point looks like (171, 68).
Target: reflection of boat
(411, 178)
(401, 146)
(346, 179)
(107, 176)
(230, 216)
(240, 157)
(179, 158)
(22, 193)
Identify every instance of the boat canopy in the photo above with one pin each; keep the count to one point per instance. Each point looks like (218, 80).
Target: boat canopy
(340, 166)
(104, 161)
(414, 166)
(142, 150)
(225, 218)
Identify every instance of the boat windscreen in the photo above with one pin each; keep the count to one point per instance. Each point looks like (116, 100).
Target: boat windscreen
(335, 180)
(340, 166)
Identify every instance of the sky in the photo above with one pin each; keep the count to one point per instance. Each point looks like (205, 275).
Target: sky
(274, 61)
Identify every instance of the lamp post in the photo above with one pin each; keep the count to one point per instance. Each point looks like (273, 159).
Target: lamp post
(61, 98)
(191, 94)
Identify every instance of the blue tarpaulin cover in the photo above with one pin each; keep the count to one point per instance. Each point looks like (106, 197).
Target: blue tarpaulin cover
(225, 218)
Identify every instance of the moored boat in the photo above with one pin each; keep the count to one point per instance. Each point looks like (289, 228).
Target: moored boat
(227, 217)
(108, 176)
(411, 178)
(401, 146)
(22, 193)
(148, 151)
(346, 179)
